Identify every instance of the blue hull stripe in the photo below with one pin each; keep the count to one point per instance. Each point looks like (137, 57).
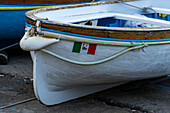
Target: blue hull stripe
(27, 4)
(101, 38)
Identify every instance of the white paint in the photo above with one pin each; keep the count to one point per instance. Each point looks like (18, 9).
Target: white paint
(160, 10)
(81, 18)
(64, 81)
(33, 43)
(73, 14)
(81, 14)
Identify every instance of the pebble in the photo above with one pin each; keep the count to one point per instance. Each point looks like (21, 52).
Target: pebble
(2, 75)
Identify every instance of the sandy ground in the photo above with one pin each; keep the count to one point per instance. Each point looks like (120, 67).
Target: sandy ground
(16, 85)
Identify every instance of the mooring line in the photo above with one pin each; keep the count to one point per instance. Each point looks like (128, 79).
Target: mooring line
(16, 103)
(128, 4)
(9, 46)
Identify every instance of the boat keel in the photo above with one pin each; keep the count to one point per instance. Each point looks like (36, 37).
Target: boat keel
(56, 97)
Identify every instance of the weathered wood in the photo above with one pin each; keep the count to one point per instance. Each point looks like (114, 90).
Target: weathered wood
(137, 35)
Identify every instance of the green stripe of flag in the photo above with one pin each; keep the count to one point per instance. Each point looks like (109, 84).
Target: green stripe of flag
(77, 47)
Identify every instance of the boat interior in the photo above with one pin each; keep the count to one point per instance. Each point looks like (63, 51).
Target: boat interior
(155, 19)
(147, 13)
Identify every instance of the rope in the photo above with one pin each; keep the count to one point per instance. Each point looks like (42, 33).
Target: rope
(144, 9)
(93, 62)
(20, 102)
(128, 4)
(9, 46)
(92, 1)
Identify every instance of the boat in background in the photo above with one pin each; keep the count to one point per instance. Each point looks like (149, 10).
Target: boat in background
(81, 49)
(12, 21)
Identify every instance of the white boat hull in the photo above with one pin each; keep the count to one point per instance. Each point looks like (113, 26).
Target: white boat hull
(65, 81)
(61, 73)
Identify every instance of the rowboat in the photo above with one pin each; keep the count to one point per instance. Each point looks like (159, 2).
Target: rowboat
(14, 10)
(12, 13)
(81, 49)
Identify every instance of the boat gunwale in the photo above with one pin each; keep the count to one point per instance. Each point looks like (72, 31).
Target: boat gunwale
(108, 32)
(98, 40)
(44, 21)
(30, 15)
(29, 6)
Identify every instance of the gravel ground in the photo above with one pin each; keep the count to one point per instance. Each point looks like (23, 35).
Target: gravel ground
(16, 85)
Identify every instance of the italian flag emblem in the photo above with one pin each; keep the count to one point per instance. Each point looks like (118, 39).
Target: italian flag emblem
(85, 48)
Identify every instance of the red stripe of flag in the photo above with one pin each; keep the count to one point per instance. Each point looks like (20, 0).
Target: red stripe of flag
(92, 49)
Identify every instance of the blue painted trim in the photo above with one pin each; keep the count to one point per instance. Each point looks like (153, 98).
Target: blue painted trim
(101, 38)
(23, 4)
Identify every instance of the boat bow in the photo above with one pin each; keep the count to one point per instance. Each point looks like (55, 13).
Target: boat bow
(30, 42)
